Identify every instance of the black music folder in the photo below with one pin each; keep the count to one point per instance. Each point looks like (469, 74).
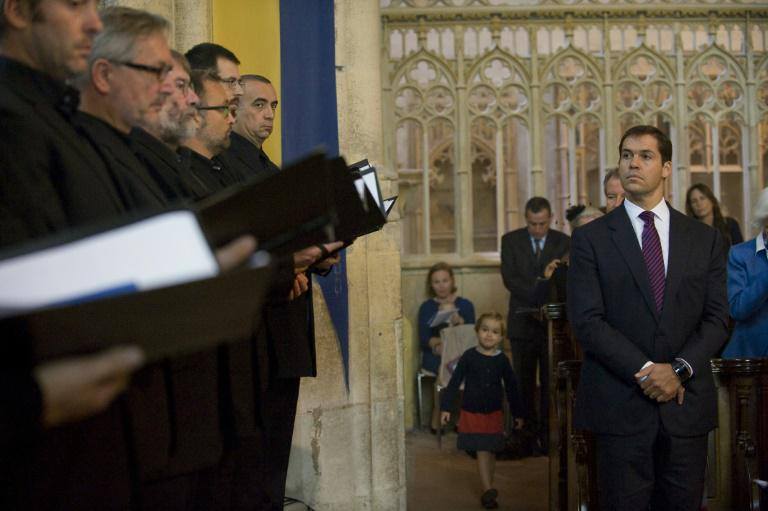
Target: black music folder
(286, 212)
(358, 210)
(164, 322)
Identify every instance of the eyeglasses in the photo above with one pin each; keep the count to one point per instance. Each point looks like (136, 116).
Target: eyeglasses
(230, 82)
(160, 72)
(225, 109)
(182, 85)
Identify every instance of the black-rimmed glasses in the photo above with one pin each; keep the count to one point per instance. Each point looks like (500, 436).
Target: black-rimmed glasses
(160, 72)
(182, 85)
(225, 109)
(230, 82)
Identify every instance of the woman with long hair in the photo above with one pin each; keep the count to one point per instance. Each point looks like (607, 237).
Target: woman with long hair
(701, 204)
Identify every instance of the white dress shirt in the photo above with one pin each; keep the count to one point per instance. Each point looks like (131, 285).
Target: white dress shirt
(660, 220)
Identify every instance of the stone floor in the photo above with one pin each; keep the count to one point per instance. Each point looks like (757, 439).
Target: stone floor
(447, 480)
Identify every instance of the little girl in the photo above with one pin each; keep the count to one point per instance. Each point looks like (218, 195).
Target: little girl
(481, 423)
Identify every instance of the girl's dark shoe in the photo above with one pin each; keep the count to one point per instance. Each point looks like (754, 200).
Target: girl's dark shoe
(488, 499)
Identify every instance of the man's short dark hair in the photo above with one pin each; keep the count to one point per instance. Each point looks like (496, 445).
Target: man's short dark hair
(536, 204)
(205, 55)
(665, 145)
(256, 78)
(612, 173)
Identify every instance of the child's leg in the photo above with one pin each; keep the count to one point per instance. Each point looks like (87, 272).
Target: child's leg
(486, 463)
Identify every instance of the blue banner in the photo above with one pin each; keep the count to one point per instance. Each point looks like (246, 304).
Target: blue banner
(308, 104)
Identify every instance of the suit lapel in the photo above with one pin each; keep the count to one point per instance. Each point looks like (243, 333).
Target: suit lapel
(624, 238)
(679, 248)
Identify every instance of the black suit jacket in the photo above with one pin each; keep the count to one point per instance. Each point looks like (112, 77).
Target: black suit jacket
(246, 160)
(614, 318)
(520, 270)
(50, 180)
(167, 167)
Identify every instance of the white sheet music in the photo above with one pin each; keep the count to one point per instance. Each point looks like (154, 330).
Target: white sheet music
(160, 251)
(442, 316)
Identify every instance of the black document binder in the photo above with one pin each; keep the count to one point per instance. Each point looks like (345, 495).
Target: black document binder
(164, 322)
(288, 211)
(356, 218)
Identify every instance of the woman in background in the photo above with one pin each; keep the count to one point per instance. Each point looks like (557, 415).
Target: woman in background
(701, 204)
(441, 288)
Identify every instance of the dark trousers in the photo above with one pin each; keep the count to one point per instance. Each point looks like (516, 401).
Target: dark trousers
(527, 356)
(279, 414)
(653, 469)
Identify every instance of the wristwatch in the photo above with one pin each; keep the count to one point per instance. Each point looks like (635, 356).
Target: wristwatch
(682, 370)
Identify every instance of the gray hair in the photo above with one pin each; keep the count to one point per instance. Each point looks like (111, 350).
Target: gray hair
(586, 215)
(123, 26)
(760, 211)
(610, 173)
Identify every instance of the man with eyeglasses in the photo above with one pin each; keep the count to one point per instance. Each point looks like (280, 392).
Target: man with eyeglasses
(157, 141)
(125, 87)
(216, 58)
(216, 116)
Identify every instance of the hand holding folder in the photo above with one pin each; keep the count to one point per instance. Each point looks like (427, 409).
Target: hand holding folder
(74, 388)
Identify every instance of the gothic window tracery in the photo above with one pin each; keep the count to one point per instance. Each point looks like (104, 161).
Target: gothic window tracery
(491, 107)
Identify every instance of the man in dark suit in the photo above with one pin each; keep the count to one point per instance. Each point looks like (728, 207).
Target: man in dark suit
(50, 181)
(253, 125)
(124, 88)
(156, 142)
(647, 301)
(525, 253)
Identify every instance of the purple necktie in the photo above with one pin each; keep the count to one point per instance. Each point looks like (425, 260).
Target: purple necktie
(654, 258)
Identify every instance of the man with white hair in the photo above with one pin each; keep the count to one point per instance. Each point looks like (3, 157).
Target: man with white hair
(748, 289)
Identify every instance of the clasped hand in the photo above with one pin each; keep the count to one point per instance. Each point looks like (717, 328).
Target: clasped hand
(660, 383)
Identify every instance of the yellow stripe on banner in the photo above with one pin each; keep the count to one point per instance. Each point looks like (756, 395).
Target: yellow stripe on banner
(251, 29)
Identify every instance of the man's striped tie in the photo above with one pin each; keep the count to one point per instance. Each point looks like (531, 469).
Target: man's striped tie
(654, 258)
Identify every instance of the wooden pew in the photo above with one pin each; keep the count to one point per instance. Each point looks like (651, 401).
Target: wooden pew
(742, 436)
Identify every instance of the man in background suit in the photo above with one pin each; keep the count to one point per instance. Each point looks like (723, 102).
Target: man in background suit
(525, 253)
(647, 302)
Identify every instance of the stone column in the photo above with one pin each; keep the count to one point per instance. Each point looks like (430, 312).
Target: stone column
(193, 20)
(190, 19)
(349, 448)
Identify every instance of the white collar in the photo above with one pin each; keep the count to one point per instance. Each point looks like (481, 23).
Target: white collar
(759, 243)
(661, 210)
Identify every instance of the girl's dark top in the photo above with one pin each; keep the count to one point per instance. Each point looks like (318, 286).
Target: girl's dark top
(483, 391)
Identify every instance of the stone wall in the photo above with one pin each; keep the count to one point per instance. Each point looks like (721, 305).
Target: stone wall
(349, 449)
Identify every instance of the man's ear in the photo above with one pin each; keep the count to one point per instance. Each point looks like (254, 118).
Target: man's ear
(99, 75)
(17, 13)
(666, 169)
